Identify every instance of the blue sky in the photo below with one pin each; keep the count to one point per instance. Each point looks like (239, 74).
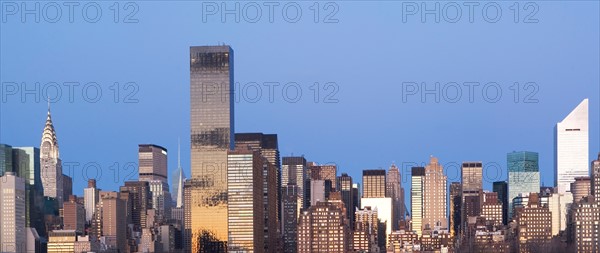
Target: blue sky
(369, 57)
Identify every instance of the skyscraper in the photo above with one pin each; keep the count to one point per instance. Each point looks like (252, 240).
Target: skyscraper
(572, 147)
(374, 184)
(291, 203)
(114, 220)
(294, 171)
(245, 201)
(267, 147)
(26, 163)
(90, 197)
(5, 159)
(434, 196)
(581, 188)
(140, 201)
(595, 174)
(523, 175)
(12, 216)
(212, 135)
(324, 172)
(396, 192)
(416, 198)
(177, 181)
(51, 165)
(73, 215)
(472, 176)
(455, 207)
(152, 161)
(323, 228)
(344, 186)
(501, 187)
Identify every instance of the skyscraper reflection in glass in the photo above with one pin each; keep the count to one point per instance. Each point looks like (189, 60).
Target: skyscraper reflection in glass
(211, 125)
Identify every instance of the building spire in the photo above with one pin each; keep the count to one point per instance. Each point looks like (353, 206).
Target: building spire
(178, 153)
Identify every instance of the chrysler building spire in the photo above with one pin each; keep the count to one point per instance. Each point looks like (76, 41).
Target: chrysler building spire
(52, 177)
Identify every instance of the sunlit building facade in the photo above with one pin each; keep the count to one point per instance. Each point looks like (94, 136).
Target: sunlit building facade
(245, 206)
(212, 135)
(572, 147)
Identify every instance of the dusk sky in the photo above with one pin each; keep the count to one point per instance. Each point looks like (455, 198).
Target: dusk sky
(364, 116)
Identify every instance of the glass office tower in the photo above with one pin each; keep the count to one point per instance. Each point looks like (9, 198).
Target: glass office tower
(523, 175)
(211, 125)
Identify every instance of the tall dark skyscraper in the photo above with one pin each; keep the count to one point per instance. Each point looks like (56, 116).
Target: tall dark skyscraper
(344, 186)
(212, 130)
(455, 207)
(289, 217)
(26, 164)
(501, 187)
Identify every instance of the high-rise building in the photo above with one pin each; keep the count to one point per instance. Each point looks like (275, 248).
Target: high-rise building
(534, 228)
(74, 215)
(580, 188)
(374, 184)
(51, 165)
(523, 175)
(501, 188)
(245, 201)
(161, 199)
(177, 181)
(491, 209)
(12, 216)
(324, 172)
(152, 160)
(366, 232)
(113, 217)
(586, 217)
(212, 135)
(455, 207)
(472, 176)
(434, 196)
(323, 228)
(294, 171)
(6, 159)
(396, 192)
(416, 199)
(344, 186)
(140, 202)
(571, 147)
(67, 187)
(595, 174)
(291, 203)
(62, 241)
(356, 195)
(267, 146)
(91, 197)
(472, 186)
(26, 163)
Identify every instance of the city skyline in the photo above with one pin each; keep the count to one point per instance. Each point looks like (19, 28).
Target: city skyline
(349, 126)
(214, 183)
(487, 182)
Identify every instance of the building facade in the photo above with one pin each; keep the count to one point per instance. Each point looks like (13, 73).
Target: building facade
(212, 129)
(523, 175)
(572, 147)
